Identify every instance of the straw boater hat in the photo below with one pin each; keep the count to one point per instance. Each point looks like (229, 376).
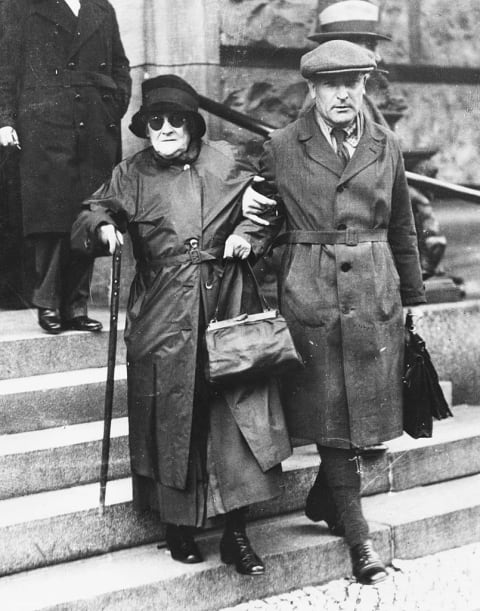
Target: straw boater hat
(168, 93)
(348, 19)
(336, 57)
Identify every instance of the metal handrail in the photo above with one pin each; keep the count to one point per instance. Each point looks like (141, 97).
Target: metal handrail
(435, 186)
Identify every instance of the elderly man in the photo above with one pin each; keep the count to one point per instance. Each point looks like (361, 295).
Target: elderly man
(358, 21)
(64, 87)
(350, 264)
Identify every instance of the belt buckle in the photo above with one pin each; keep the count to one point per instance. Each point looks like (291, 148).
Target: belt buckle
(351, 237)
(193, 251)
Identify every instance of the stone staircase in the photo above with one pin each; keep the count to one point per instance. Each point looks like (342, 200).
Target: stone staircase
(57, 552)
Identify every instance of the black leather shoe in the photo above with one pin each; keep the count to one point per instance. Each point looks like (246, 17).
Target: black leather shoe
(235, 548)
(82, 323)
(320, 506)
(181, 544)
(49, 320)
(366, 564)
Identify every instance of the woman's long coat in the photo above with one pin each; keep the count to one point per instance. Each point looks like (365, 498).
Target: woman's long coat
(64, 86)
(164, 209)
(344, 302)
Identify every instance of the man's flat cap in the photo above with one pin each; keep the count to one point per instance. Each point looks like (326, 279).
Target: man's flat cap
(336, 56)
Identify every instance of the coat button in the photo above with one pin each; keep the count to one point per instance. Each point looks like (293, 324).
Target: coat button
(341, 227)
(71, 65)
(112, 126)
(81, 124)
(345, 267)
(340, 188)
(78, 96)
(103, 65)
(106, 97)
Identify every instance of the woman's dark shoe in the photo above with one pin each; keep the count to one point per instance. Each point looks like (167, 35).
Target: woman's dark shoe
(320, 506)
(49, 320)
(367, 566)
(235, 548)
(181, 544)
(82, 323)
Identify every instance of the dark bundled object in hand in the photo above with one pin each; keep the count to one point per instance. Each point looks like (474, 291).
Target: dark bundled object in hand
(423, 398)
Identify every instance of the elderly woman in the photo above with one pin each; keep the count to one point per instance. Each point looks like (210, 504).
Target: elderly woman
(196, 451)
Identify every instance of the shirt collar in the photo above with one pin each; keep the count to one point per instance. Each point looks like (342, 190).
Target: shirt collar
(354, 130)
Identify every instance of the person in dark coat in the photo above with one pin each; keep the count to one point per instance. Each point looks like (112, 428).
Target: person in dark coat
(196, 450)
(64, 86)
(351, 262)
(358, 21)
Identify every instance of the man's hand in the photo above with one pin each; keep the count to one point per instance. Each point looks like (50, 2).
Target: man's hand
(254, 203)
(236, 246)
(111, 237)
(9, 137)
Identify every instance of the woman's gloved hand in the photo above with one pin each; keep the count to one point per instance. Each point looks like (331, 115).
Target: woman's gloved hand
(236, 246)
(110, 236)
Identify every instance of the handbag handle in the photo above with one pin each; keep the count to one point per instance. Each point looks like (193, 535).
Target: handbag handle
(223, 288)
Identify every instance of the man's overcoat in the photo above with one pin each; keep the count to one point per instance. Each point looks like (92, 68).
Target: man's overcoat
(343, 302)
(173, 293)
(64, 86)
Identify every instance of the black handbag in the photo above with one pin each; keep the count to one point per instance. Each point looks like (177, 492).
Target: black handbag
(423, 398)
(248, 346)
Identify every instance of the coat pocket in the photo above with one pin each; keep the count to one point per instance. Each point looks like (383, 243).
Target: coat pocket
(302, 288)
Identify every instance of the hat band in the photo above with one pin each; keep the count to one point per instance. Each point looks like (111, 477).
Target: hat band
(360, 26)
(169, 95)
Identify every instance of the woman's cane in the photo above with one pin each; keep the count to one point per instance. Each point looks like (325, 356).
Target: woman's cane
(112, 347)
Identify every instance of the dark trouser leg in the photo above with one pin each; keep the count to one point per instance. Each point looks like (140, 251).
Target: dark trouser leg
(344, 483)
(76, 285)
(320, 505)
(47, 292)
(62, 277)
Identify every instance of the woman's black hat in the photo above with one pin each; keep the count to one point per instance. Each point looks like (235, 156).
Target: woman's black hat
(167, 93)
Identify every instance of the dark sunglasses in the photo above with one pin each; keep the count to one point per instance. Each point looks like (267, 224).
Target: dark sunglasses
(175, 119)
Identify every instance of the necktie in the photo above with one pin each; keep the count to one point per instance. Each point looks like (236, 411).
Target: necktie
(342, 151)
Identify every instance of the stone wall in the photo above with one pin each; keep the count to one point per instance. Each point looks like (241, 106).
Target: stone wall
(432, 32)
(424, 32)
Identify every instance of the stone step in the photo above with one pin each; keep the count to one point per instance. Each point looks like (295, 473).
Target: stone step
(297, 553)
(57, 525)
(451, 452)
(59, 399)
(69, 397)
(25, 350)
(62, 457)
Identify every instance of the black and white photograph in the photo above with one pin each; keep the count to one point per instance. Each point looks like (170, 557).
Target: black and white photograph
(239, 305)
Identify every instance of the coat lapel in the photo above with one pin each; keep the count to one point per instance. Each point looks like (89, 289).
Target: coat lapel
(57, 12)
(368, 150)
(91, 15)
(316, 146)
